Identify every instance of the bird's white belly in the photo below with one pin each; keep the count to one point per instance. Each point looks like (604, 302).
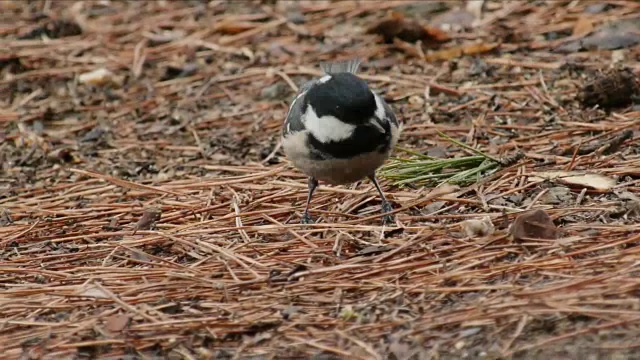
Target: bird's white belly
(334, 171)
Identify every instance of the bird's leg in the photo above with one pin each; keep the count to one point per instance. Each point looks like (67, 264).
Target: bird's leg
(313, 184)
(386, 206)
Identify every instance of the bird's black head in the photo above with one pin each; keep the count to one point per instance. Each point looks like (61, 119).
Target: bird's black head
(345, 96)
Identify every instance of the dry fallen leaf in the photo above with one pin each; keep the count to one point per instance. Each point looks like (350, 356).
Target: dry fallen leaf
(444, 188)
(94, 292)
(459, 51)
(117, 323)
(583, 26)
(609, 36)
(575, 178)
(534, 224)
(234, 27)
(148, 219)
(397, 26)
(475, 228)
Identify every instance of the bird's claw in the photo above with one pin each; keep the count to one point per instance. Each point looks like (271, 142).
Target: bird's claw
(386, 208)
(306, 219)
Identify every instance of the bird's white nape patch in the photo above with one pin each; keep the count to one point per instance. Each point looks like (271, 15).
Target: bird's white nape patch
(326, 128)
(324, 79)
(380, 112)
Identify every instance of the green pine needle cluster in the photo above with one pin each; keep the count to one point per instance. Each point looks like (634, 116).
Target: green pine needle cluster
(422, 170)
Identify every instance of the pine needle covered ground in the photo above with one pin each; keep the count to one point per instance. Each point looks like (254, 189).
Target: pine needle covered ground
(146, 209)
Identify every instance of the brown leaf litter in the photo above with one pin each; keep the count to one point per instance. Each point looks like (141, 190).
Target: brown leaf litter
(109, 110)
(397, 26)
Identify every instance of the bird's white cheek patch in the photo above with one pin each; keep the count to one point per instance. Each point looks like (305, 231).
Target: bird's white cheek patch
(326, 128)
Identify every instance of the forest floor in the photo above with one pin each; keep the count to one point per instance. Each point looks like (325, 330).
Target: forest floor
(147, 209)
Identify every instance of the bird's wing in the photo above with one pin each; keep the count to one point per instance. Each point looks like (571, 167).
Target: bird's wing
(293, 122)
(389, 114)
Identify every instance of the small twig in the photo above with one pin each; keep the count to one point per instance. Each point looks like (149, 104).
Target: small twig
(236, 208)
(467, 147)
(123, 304)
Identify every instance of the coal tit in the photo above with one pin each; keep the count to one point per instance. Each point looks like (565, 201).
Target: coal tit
(339, 131)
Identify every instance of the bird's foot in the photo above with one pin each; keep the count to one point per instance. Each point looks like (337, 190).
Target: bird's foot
(306, 219)
(387, 219)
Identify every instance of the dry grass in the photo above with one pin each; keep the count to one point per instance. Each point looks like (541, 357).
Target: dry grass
(188, 128)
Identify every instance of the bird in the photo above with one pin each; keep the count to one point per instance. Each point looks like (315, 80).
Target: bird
(339, 131)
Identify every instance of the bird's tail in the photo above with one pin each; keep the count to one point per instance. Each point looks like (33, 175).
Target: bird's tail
(350, 66)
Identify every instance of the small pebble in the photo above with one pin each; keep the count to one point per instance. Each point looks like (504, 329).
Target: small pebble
(296, 17)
